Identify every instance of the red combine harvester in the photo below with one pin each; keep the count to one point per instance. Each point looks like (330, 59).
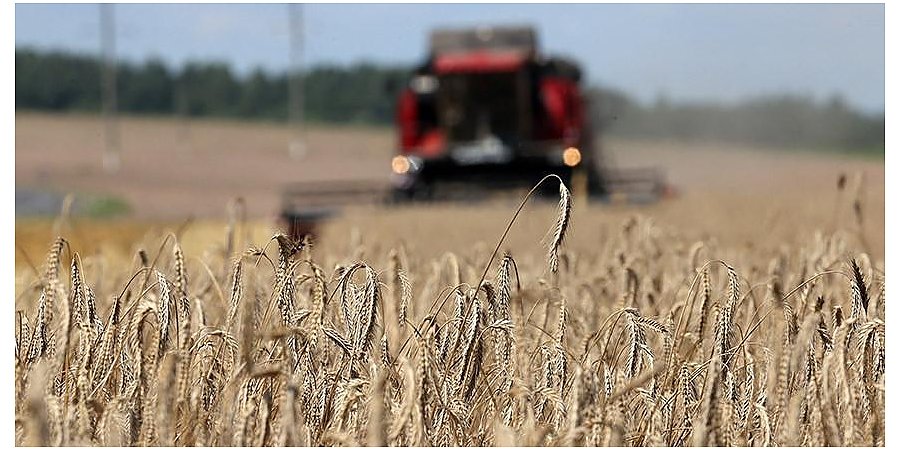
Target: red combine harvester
(485, 111)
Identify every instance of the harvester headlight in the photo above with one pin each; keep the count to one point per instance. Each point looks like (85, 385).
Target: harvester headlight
(400, 164)
(571, 156)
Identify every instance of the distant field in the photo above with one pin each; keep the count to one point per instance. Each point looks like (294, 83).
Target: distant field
(173, 171)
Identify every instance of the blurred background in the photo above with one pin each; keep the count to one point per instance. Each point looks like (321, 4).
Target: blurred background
(166, 113)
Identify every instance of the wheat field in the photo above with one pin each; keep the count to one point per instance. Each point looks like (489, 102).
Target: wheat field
(649, 336)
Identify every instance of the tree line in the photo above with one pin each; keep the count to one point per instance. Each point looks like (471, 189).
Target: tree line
(58, 81)
(365, 94)
(780, 120)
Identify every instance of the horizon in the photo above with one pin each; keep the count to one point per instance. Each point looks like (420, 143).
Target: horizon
(719, 54)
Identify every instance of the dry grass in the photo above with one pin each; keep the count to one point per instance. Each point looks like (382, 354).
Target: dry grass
(648, 336)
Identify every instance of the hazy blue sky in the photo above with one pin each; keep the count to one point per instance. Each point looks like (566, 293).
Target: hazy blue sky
(694, 52)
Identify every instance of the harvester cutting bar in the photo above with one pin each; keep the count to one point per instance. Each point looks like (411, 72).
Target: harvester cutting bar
(637, 185)
(304, 205)
(328, 193)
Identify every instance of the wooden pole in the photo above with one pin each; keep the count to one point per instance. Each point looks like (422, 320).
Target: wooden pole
(297, 147)
(112, 145)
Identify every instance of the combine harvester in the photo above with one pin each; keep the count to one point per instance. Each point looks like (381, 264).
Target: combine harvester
(485, 112)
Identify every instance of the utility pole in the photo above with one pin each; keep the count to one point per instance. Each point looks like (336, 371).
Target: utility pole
(297, 147)
(111, 152)
(182, 115)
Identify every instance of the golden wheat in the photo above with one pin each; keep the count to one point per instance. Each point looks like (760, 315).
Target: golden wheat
(635, 342)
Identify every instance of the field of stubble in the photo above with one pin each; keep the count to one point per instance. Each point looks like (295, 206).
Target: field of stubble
(747, 311)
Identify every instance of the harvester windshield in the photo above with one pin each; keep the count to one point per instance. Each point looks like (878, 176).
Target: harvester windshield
(483, 105)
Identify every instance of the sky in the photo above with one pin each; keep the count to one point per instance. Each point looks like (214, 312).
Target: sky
(694, 52)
